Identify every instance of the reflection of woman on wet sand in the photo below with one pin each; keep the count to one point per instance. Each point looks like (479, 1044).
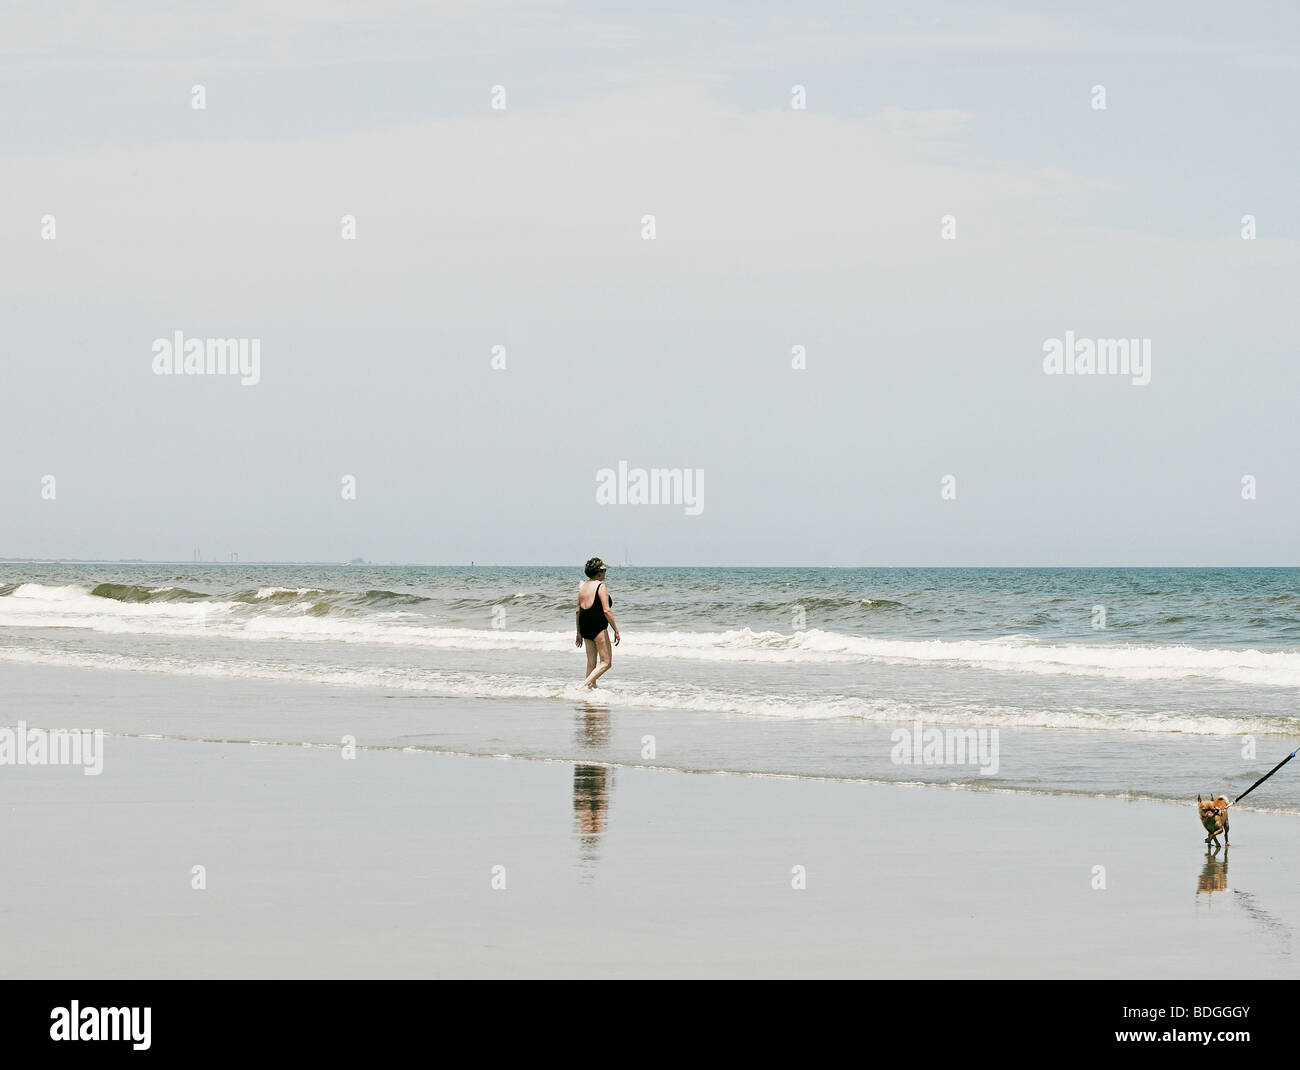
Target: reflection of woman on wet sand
(591, 788)
(594, 619)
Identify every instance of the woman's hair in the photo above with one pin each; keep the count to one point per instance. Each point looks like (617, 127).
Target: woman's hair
(594, 567)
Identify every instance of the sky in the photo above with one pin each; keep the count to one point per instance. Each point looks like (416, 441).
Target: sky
(948, 200)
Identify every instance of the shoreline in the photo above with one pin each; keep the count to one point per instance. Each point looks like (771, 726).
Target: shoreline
(131, 703)
(438, 752)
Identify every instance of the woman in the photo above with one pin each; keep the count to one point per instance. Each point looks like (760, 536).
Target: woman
(594, 620)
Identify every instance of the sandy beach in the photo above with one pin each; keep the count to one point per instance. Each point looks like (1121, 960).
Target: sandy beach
(384, 866)
(516, 838)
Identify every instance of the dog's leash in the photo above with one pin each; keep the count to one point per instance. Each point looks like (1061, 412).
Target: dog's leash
(1264, 777)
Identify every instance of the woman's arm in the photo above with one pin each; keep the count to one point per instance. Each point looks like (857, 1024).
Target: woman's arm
(577, 616)
(609, 613)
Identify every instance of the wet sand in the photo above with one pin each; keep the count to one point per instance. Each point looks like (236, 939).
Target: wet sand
(383, 866)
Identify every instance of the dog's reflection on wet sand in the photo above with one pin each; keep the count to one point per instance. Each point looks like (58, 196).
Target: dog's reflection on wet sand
(1214, 873)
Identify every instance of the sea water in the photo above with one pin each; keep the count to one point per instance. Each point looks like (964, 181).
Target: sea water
(1133, 682)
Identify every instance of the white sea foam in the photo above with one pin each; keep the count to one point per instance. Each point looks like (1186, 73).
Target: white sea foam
(645, 694)
(37, 606)
(40, 592)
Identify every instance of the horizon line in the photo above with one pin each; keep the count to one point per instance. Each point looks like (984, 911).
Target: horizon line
(613, 568)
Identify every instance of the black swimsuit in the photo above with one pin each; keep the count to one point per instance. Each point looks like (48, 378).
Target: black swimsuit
(591, 621)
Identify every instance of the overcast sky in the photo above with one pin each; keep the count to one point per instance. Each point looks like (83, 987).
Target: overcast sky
(775, 227)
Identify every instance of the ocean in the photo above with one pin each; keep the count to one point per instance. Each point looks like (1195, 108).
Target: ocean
(1138, 683)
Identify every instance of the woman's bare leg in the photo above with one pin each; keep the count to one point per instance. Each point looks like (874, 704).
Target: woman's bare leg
(590, 644)
(606, 655)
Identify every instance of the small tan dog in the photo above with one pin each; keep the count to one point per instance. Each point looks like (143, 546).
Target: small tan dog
(1214, 816)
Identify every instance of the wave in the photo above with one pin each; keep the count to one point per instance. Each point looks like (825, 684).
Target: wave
(389, 598)
(314, 615)
(279, 595)
(842, 604)
(126, 592)
(647, 694)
